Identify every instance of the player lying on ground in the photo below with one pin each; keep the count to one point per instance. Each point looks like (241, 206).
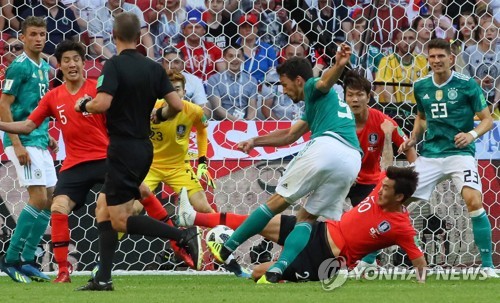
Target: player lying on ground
(85, 163)
(372, 139)
(379, 221)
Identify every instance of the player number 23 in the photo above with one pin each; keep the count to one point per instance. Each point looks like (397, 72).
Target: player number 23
(471, 176)
(439, 110)
(156, 136)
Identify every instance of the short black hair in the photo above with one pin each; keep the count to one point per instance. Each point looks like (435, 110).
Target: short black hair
(354, 80)
(69, 45)
(406, 180)
(173, 50)
(440, 44)
(294, 67)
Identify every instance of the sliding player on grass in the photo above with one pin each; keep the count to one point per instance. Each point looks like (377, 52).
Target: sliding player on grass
(377, 222)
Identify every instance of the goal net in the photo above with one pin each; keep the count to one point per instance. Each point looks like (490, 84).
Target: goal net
(380, 32)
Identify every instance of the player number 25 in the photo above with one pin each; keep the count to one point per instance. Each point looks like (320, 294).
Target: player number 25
(439, 110)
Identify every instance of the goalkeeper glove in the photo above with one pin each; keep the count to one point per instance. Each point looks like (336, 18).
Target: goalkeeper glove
(202, 172)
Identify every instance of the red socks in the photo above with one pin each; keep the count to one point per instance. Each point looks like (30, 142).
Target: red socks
(231, 220)
(60, 240)
(154, 208)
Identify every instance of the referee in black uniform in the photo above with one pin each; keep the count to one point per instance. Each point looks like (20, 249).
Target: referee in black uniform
(127, 90)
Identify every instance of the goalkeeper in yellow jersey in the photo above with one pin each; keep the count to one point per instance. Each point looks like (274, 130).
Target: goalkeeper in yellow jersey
(170, 142)
(170, 163)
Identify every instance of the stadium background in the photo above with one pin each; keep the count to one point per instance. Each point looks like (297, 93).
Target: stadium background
(244, 182)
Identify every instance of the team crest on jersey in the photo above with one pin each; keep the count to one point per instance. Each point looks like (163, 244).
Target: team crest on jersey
(181, 130)
(439, 95)
(383, 227)
(452, 93)
(373, 138)
(40, 74)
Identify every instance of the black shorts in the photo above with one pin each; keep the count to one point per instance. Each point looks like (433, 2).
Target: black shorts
(305, 266)
(128, 164)
(77, 181)
(359, 192)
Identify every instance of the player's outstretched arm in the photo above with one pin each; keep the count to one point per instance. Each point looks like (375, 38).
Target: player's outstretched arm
(332, 75)
(97, 105)
(387, 153)
(462, 140)
(277, 138)
(420, 266)
(19, 127)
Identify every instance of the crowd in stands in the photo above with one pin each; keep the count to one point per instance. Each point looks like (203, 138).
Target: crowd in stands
(228, 49)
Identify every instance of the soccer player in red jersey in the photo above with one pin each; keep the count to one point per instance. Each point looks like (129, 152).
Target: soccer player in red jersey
(377, 222)
(86, 141)
(370, 135)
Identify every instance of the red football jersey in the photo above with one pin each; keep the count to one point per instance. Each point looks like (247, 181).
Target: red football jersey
(367, 228)
(371, 138)
(201, 61)
(85, 135)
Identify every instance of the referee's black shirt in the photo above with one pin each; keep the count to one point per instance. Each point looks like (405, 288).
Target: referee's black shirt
(135, 82)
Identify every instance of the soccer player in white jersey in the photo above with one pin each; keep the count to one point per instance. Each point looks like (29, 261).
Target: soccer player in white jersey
(447, 102)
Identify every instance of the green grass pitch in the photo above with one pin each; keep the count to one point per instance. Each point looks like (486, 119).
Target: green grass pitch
(207, 289)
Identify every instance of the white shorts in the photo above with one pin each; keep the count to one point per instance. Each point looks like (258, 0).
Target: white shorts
(462, 170)
(326, 168)
(41, 171)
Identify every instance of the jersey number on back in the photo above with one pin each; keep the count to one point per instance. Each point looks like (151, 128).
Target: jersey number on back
(439, 110)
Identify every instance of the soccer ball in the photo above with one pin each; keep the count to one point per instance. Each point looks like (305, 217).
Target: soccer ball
(219, 234)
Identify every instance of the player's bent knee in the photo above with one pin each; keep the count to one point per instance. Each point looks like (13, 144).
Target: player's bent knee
(200, 202)
(61, 206)
(119, 223)
(137, 208)
(473, 198)
(277, 203)
(304, 216)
